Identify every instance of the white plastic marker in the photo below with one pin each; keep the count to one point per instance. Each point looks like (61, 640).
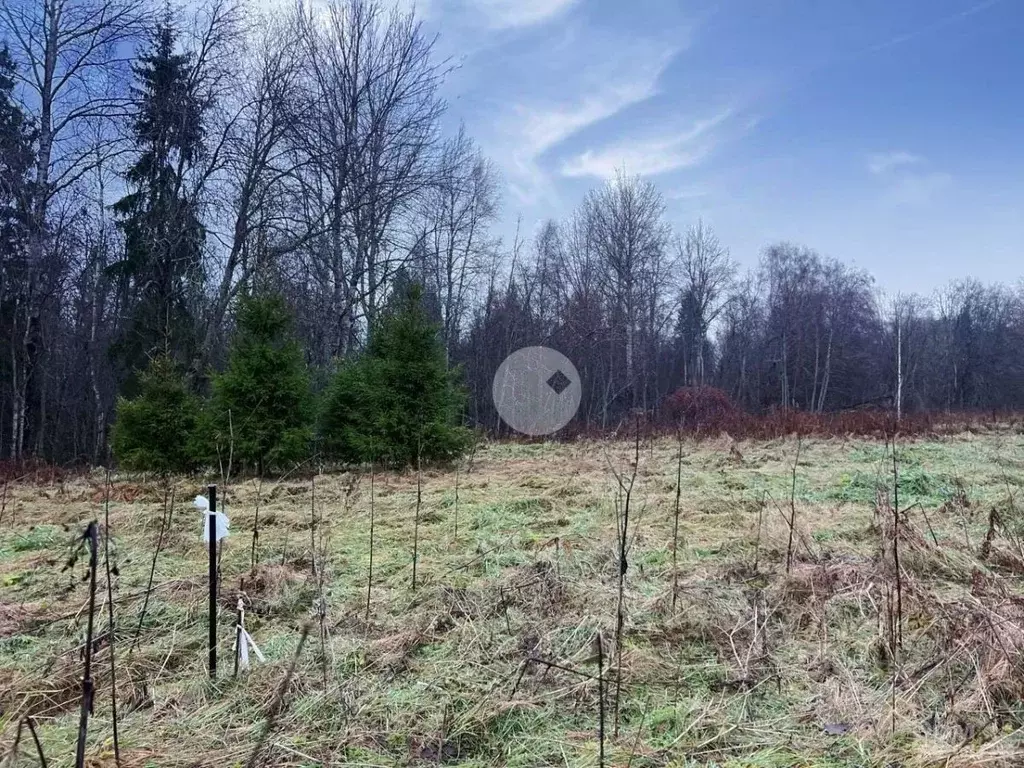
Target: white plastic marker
(203, 505)
(247, 643)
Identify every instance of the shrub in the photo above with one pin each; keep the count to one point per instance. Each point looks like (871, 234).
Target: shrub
(398, 402)
(153, 430)
(700, 409)
(261, 410)
(346, 430)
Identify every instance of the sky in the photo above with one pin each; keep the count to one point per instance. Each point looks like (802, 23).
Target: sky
(887, 134)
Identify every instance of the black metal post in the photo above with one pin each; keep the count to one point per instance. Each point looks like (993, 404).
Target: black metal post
(212, 528)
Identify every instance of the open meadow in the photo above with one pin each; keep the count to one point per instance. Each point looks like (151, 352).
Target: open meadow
(782, 644)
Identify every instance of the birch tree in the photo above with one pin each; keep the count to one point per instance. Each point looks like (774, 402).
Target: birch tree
(627, 233)
(459, 209)
(707, 272)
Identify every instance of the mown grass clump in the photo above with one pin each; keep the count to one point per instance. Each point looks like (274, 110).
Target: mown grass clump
(917, 486)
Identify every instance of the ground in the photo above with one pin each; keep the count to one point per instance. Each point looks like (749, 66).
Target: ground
(490, 659)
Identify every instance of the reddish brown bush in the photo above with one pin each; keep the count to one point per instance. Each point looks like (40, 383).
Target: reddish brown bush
(702, 410)
(31, 470)
(708, 412)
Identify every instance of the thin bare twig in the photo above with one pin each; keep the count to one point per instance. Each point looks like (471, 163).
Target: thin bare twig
(639, 732)
(164, 519)
(111, 637)
(278, 703)
(599, 644)
(35, 738)
(369, 573)
(792, 509)
(254, 553)
(455, 537)
(416, 523)
(90, 538)
(675, 517)
(760, 525)
(624, 540)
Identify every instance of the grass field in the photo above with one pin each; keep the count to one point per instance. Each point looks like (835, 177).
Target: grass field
(487, 661)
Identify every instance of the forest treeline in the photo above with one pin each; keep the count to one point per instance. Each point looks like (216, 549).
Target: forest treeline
(157, 167)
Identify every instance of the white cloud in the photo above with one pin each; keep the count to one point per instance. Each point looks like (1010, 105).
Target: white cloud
(505, 14)
(543, 128)
(908, 181)
(884, 162)
(531, 129)
(651, 156)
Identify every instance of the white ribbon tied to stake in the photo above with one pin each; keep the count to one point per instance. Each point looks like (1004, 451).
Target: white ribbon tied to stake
(203, 505)
(247, 641)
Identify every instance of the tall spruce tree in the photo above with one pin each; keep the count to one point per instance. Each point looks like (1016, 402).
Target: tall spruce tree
(162, 269)
(154, 430)
(262, 410)
(398, 402)
(17, 156)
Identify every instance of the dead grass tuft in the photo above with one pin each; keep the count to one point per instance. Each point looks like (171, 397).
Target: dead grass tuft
(488, 662)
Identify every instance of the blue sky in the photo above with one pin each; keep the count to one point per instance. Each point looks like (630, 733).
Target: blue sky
(886, 133)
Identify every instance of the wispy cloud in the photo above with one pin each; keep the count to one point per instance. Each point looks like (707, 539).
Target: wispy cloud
(505, 14)
(908, 180)
(654, 155)
(530, 130)
(934, 26)
(885, 162)
(917, 189)
(543, 128)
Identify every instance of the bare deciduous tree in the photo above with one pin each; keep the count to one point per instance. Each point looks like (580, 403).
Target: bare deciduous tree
(461, 204)
(71, 58)
(707, 273)
(627, 235)
(366, 121)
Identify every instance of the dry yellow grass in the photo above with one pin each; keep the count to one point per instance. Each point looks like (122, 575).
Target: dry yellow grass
(485, 663)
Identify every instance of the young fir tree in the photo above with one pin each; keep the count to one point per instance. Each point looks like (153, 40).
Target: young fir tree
(161, 270)
(262, 408)
(153, 431)
(398, 402)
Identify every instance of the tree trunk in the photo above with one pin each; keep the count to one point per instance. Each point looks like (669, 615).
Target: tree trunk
(785, 374)
(899, 369)
(827, 375)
